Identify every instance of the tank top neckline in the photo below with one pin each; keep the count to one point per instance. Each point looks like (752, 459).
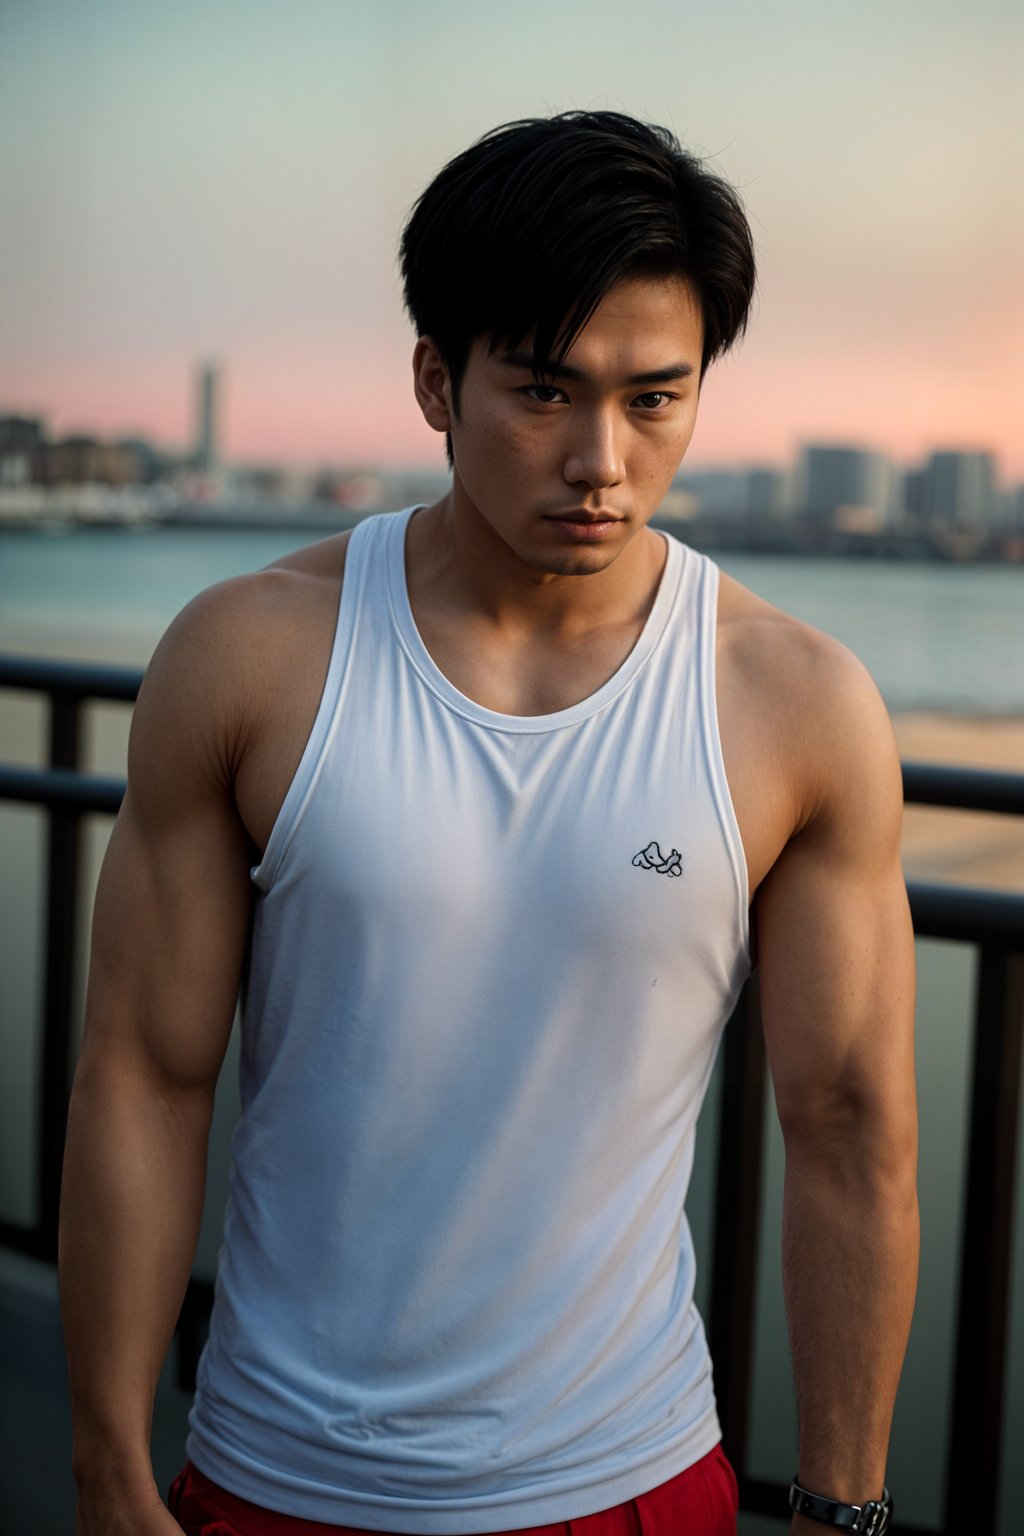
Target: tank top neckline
(431, 675)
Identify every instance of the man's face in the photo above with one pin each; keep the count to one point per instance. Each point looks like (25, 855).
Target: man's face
(564, 474)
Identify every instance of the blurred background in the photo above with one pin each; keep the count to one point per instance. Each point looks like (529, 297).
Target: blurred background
(204, 362)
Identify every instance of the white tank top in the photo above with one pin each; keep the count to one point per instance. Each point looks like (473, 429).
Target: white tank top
(491, 960)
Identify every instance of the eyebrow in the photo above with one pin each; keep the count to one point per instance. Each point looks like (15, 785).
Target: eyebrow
(523, 362)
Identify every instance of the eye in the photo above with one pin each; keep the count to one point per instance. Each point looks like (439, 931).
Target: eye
(656, 400)
(544, 394)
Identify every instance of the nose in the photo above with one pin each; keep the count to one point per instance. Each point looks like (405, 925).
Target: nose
(594, 453)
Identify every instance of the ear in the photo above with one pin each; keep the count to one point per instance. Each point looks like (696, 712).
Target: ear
(432, 385)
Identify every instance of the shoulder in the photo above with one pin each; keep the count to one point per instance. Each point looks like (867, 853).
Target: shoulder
(234, 651)
(813, 705)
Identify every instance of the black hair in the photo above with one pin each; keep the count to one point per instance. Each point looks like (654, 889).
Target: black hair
(528, 229)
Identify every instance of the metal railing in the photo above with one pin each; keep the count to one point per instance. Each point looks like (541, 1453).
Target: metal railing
(67, 795)
(993, 923)
(990, 921)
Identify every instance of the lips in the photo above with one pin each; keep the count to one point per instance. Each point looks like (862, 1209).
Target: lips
(579, 515)
(581, 524)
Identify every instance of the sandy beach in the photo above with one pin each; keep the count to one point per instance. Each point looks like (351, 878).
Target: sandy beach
(963, 847)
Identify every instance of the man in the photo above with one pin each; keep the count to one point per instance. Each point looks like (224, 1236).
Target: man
(475, 801)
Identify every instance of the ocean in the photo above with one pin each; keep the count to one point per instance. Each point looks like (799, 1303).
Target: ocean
(935, 637)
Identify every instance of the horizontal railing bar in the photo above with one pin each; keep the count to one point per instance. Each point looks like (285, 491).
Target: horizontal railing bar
(85, 680)
(964, 913)
(952, 786)
(966, 789)
(967, 914)
(62, 787)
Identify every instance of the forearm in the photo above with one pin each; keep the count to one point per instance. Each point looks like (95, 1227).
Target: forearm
(132, 1198)
(850, 1255)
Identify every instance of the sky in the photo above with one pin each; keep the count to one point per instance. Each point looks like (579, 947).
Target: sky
(228, 179)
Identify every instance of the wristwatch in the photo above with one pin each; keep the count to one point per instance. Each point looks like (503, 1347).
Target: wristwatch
(869, 1519)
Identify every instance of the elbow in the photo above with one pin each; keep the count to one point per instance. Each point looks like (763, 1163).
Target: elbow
(855, 1137)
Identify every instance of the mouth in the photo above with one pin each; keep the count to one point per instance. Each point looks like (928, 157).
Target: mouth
(578, 523)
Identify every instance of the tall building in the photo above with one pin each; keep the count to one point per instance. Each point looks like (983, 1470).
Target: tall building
(208, 417)
(959, 490)
(836, 482)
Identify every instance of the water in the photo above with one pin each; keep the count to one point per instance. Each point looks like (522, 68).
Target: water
(938, 637)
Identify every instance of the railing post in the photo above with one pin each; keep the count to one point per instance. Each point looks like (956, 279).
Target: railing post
(64, 841)
(972, 1479)
(737, 1221)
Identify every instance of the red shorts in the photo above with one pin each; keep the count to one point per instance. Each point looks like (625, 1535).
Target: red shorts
(702, 1501)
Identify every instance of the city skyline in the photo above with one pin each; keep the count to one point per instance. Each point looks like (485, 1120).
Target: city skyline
(959, 484)
(828, 496)
(231, 181)
(202, 444)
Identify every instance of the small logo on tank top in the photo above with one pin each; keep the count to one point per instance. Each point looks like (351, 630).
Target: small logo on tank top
(652, 857)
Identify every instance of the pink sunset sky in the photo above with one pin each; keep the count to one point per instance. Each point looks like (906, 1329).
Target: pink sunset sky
(228, 180)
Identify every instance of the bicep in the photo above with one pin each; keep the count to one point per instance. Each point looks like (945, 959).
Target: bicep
(172, 904)
(168, 937)
(836, 954)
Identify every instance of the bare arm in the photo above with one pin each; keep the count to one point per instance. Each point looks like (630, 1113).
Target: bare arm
(837, 989)
(168, 936)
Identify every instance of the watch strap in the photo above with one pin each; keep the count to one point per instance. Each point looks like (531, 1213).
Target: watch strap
(870, 1519)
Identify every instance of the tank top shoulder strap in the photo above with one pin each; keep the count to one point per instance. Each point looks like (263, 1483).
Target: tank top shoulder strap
(365, 570)
(364, 588)
(703, 576)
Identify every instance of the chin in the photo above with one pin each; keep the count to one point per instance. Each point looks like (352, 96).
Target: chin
(574, 563)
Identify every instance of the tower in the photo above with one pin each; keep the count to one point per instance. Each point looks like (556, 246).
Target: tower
(207, 403)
